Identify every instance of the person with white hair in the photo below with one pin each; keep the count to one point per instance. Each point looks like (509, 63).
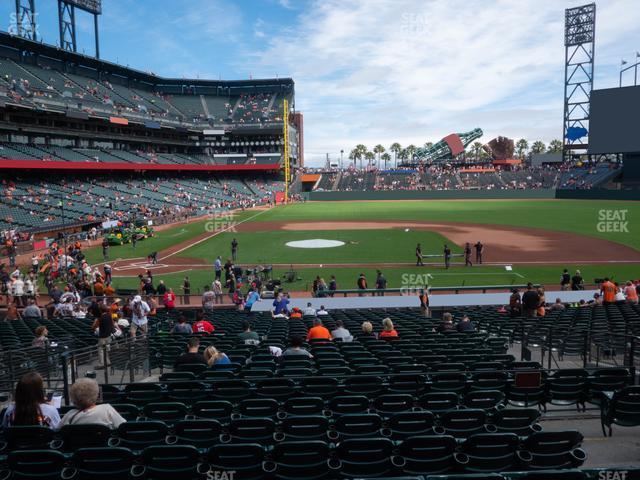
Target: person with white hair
(84, 396)
(139, 311)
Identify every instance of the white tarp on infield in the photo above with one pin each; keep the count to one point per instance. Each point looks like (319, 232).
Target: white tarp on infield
(315, 243)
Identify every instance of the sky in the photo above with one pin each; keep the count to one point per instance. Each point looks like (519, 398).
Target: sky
(370, 71)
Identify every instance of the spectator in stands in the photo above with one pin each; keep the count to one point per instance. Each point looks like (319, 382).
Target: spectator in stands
(192, 356)
(40, 340)
(466, 325)
(321, 312)
(84, 396)
(367, 330)
(565, 280)
(247, 336)
(208, 299)
(139, 311)
(630, 292)
(216, 288)
(387, 329)
(597, 299)
(280, 306)
(161, 290)
(201, 325)
(252, 297)
(105, 327)
(214, 357)
(295, 348)
(423, 295)
(577, 282)
(447, 323)
(318, 331)
(558, 305)
(361, 283)
(515, 303)
(182, 327)
(31, 310)
(30, 405)
(341, 333)
(309, 311)
(530, 301)
(542, 303)
(608, 291)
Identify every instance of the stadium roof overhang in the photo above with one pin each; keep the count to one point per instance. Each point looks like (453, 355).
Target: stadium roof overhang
(42, 165)
(22, 44)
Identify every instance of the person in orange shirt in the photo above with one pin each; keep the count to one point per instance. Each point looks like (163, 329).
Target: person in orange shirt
(387, 329)
(608, 290)
(318, 331)
(295, 313)
(631, 293)
(98, 288)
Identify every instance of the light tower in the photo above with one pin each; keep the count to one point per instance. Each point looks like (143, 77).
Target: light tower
(579, 42)
(67, 22)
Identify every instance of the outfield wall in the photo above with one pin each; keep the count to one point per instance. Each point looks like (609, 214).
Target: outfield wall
(433, 195)
(546, 193)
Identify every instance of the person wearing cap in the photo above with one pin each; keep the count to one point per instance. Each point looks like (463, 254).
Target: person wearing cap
(139, 311)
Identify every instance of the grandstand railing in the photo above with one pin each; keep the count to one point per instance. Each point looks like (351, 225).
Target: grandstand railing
(593, 349)
(416, 291)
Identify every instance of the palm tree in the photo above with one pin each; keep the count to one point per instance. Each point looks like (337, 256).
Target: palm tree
(361, 151)
(370, 157)
(555, 146)
(395, 148)
(403, 154)
(476, 149)
(378, 150)
(353, 156)
(411, 150)
(521, 148)
(428, 145)
(387, 158)
(538, 147)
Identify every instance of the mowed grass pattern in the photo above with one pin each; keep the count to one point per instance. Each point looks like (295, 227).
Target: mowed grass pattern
(575, 216)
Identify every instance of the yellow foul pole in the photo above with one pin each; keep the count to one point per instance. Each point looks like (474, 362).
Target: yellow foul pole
(285, 152)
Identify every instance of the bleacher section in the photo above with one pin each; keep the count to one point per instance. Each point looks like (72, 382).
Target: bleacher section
(421, 404)
(44, 85)
(35, 204)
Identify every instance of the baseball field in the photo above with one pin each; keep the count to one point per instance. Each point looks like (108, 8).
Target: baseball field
(525, 240)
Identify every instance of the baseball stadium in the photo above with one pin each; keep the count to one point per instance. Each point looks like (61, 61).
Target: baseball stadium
(190, 290)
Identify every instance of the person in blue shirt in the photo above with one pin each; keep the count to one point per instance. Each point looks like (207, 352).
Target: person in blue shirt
(217, 266)
(280, 305)
(252, 297)
(214, 357)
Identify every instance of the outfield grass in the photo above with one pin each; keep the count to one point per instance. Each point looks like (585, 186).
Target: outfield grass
(575, 216)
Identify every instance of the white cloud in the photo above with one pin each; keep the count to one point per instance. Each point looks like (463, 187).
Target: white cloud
(377, 71)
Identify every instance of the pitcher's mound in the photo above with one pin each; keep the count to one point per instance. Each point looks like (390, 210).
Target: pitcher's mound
(315, 243)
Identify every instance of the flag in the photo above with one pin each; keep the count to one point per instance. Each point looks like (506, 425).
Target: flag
(623, 62)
